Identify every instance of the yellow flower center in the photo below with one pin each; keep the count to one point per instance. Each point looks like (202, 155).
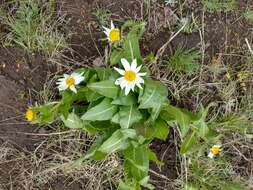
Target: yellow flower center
(114, 35)
(130, 76)
(30, 114)
(70, 81)
(215, 150)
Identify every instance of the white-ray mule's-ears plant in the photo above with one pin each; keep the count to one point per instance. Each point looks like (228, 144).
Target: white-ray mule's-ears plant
(70, 81)
(126, 124)
(113, 34)
(131, 76)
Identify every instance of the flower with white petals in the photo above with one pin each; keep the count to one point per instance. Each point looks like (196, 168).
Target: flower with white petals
(130, 76)
(113, 34)
(70, 81)
(215, 150)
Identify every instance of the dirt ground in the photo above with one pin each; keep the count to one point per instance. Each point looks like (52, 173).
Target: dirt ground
(22, 76)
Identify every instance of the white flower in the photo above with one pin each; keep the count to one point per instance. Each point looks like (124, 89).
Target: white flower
(70, 81)
(215, 150)
(131, 76)
(113, 34)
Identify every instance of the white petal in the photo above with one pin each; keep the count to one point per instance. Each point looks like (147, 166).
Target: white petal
(120, 71)
(139, 80)
(139, 85)
(141, 74)
(66, 75)
(78, 79)
(112, 25)
(119, 81)
(210, 155)
(132, 86)
(138, 69)
(107, 31)
(125, 64)
(73, 88)
(127, 90)
(61, 79)
(134, 65)
(62, 87)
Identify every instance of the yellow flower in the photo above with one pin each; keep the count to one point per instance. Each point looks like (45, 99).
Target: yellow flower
(215, 150)
(30, 115)
(113, 34)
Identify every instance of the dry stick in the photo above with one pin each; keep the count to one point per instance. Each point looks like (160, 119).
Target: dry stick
(250, 49)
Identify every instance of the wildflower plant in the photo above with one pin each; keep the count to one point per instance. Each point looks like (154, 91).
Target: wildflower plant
(126, 109)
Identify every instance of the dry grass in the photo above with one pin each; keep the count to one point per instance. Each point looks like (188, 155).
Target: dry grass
(52, 162)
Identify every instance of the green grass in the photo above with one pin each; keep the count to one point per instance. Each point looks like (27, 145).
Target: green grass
(33, 28)
(184, 61)
(103, 16)
(248, 15)
(219, 5)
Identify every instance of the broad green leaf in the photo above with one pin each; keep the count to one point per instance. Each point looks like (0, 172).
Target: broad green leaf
(145, 183)
(103, 111)
(188, 142)
(106, 88)
(103, 73)
(136, 162)
(119, 140)
(74, 122)
(129, 185)
(181, 117)
(68, 98)
(128, 115)
(115, 118)
(154, 96)
(116, 56)
(161, 129)
(125, 100)
(92, 96)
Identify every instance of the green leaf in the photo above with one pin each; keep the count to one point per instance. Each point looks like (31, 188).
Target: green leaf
(161, 129)
(125, 100)
(46, 113)
(152, 156)
(116, 56)
(181, 117)
(145, 183)
(154, 96)
(74, 122)
(119, 140)
(106, 88)
(103, 73)
(136, 162)
(129, 185)
(188, 143)
(92, 96)
(128, 115)
(103, 111)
